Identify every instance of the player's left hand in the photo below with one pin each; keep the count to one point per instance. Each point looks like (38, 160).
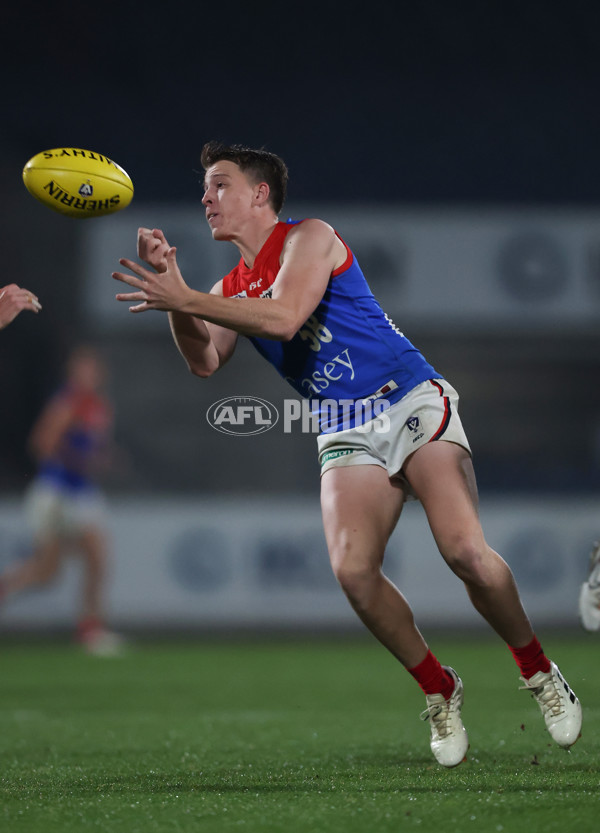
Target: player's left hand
(163, 291)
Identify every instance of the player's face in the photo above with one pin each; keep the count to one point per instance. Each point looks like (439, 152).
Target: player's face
(86, 371)
(228, 200)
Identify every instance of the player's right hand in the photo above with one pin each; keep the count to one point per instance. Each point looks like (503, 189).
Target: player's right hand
(152, 248)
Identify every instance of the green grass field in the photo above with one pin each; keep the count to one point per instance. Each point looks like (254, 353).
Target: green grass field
(293, 735)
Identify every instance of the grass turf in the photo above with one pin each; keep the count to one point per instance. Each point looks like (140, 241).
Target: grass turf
(284, 736)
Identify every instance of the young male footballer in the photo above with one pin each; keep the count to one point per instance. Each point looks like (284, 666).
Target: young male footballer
(300, 297)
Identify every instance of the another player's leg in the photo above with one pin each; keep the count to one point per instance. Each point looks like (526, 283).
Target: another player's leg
(589, 595)
(360, 510)
(40, 568)
(43, 517)
(92, 631)
(441, 473)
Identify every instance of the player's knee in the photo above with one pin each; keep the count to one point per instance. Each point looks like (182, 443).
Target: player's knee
(357, 580)
(95, 560)
(467, 558)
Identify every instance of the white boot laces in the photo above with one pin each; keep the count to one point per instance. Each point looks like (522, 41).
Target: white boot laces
(439, 714)
(547, 695)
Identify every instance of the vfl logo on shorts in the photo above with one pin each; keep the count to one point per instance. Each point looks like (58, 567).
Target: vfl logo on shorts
(413, 424)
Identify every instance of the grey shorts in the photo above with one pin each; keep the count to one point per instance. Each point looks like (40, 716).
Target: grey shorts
(429, 412)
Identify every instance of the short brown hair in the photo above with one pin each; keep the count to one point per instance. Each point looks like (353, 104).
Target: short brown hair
(260, 165)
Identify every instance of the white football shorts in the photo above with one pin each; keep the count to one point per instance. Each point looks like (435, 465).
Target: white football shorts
(429, 412)
(54, 510)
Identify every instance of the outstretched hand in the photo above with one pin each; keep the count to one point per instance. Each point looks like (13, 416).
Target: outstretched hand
(13, 300)
(166, 290)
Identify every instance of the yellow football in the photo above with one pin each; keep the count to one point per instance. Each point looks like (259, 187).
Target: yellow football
(78, 183)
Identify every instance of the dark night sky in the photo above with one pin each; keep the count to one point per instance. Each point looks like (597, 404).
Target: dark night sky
(472, 101)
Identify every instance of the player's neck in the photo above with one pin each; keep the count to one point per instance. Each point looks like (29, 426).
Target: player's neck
(251, 241)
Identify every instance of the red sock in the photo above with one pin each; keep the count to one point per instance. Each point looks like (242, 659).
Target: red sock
(432, 678)
(88, 625)
(531, 658)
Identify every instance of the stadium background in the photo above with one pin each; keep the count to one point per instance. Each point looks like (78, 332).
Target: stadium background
(470, 131)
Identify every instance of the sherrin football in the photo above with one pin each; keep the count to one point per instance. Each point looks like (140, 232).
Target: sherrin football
(78, 183)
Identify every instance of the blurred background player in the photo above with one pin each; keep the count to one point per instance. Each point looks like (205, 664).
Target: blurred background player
(71, 443)
(13, 300)
(589, 596)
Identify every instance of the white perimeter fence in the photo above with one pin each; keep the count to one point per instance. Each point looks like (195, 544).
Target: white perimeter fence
(214, 564)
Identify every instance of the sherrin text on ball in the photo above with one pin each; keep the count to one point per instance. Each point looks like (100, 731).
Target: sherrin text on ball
(77, 182)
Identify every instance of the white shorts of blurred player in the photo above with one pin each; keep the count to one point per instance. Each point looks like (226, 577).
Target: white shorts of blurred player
(429, 412)
(53, 509)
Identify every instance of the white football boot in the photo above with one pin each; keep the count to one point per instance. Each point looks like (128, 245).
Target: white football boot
(589, 595)
(103, 643)
(449, 741)
(558, 703)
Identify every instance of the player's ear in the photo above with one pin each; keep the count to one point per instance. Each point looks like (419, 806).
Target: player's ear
(261, 193)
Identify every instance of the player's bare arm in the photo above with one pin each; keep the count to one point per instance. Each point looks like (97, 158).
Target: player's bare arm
(49, 430)
(205, 347)
(312, 251)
